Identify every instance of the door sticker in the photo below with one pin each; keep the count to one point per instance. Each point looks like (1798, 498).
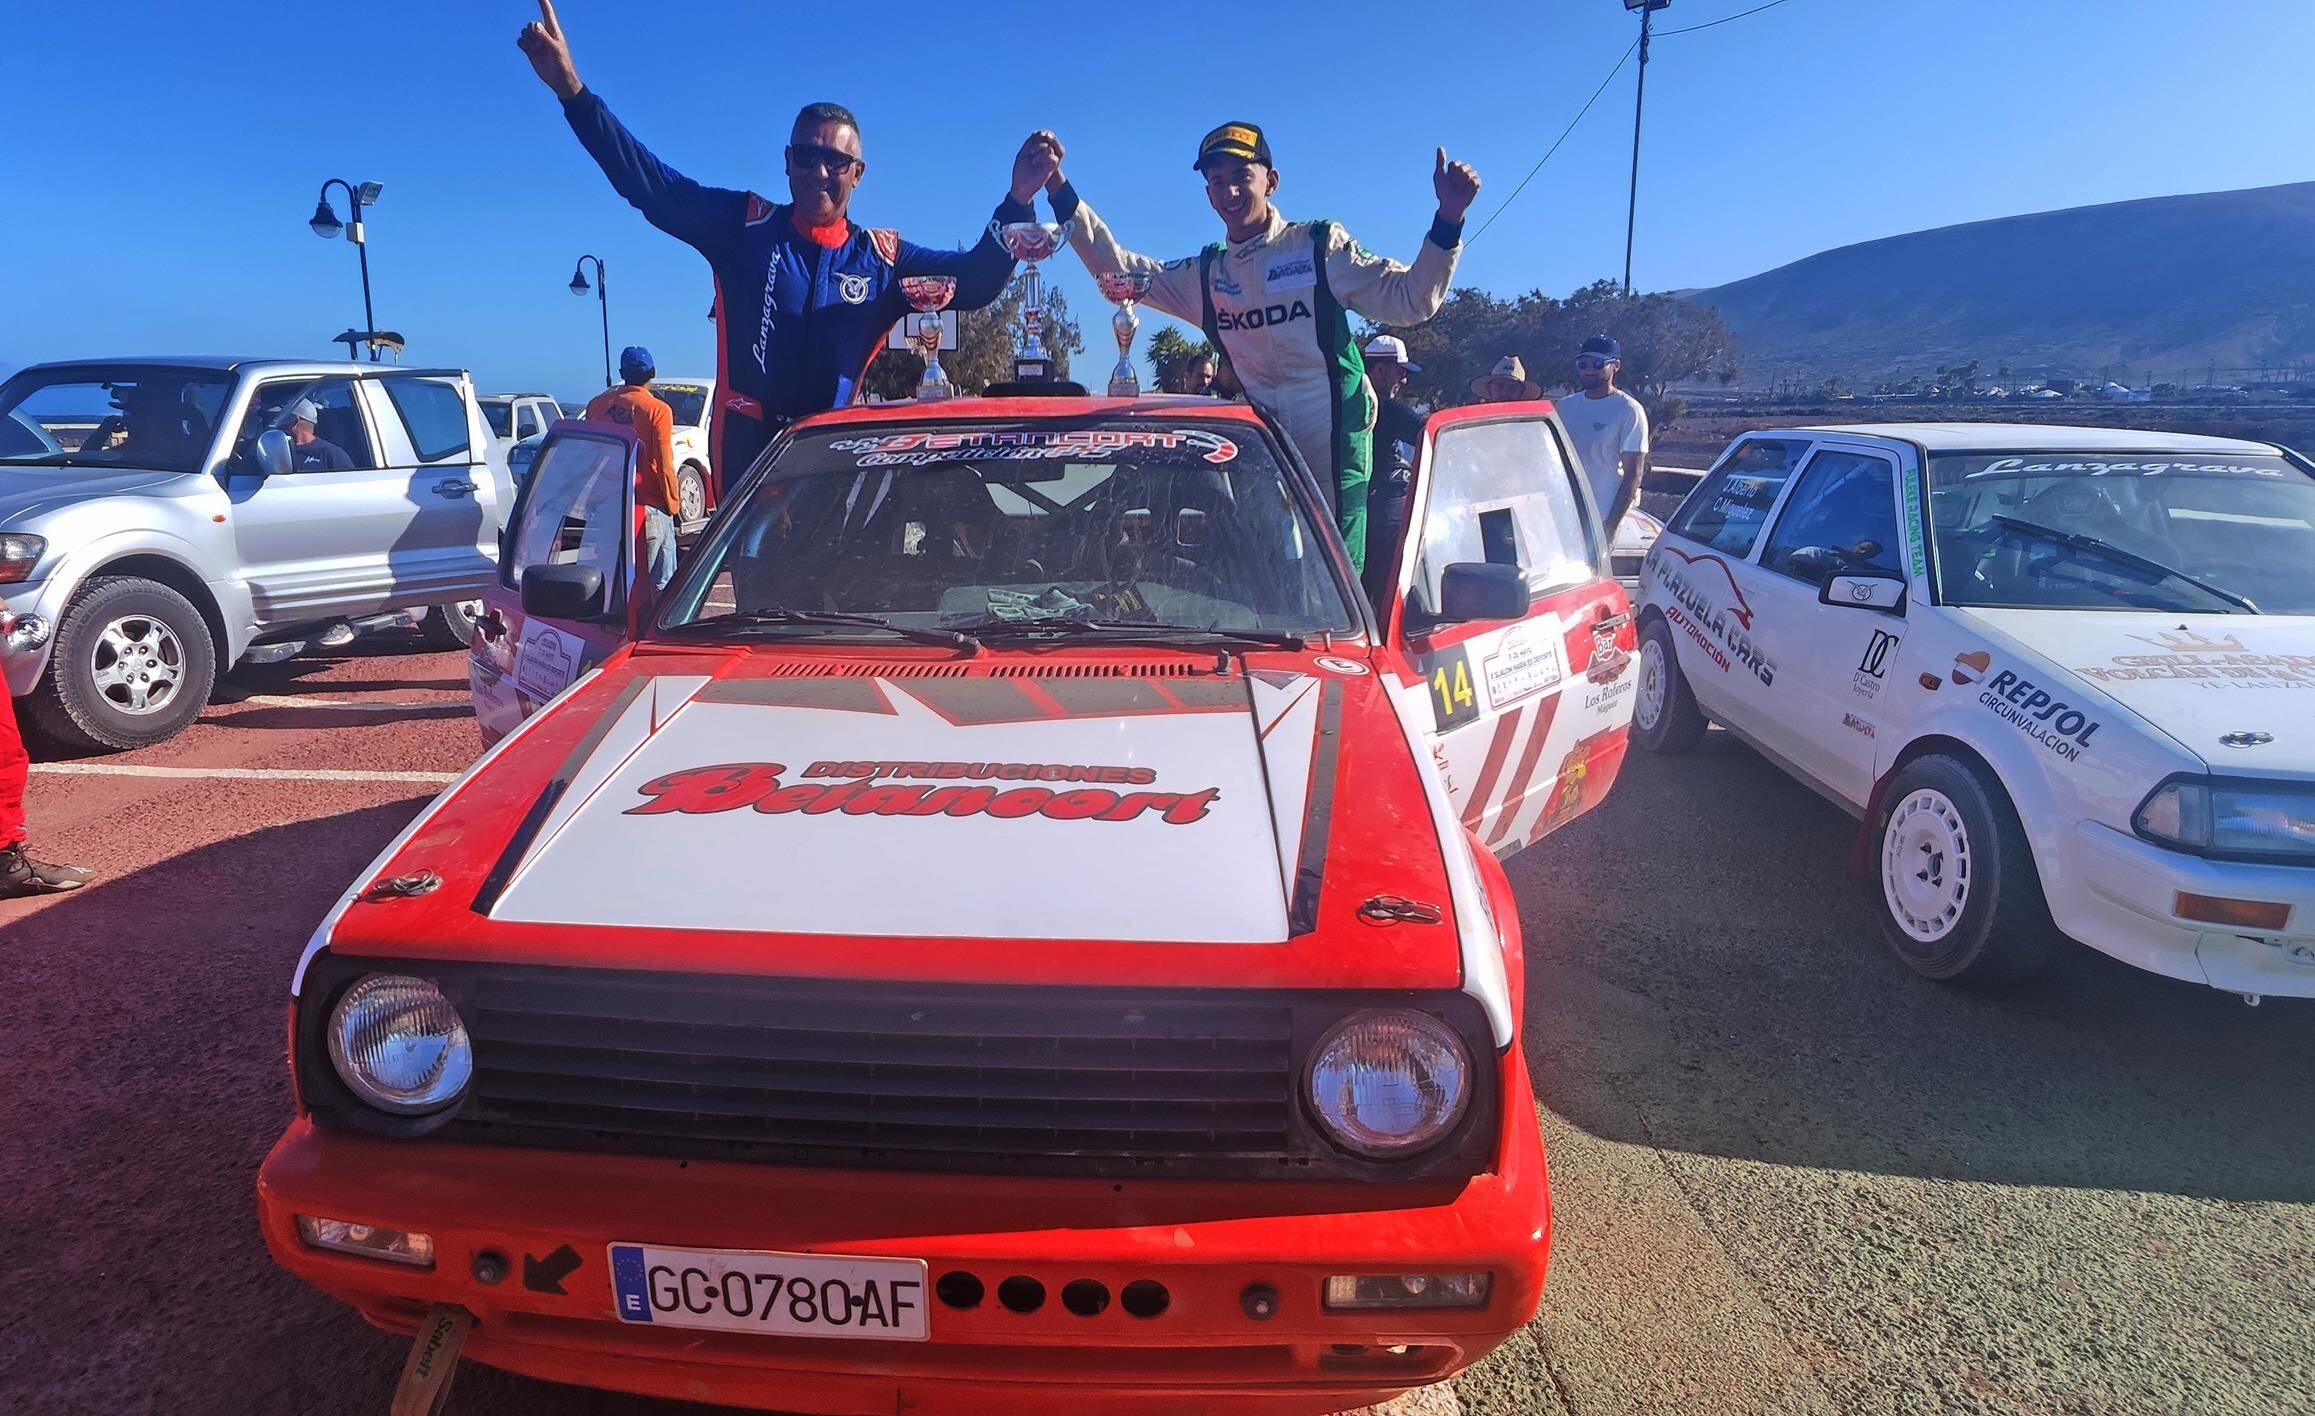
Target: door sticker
(545, 661)
(1526, 661)
(1448, 675)
(1873, 665)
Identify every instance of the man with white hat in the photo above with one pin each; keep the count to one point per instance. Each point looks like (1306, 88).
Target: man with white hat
(1398, 432)
(309, 451)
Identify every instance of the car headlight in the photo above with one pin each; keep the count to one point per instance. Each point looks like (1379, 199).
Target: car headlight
(1388, 1083)
(2222, 817)
(19, 552)
(400, 1045)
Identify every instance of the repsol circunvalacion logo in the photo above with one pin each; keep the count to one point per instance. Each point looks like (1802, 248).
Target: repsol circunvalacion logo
(1077, 793)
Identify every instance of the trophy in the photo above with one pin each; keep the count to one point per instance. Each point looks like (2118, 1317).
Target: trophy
(1030, 242)
(1124, 287)
(928, 295)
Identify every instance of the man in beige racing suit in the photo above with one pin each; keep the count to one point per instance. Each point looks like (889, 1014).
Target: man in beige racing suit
(1276, 299)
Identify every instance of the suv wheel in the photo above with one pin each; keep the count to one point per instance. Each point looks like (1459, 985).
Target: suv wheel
(1665, 717)
(450, 626)
(1960, 899)
(132, 666)
(690, 495)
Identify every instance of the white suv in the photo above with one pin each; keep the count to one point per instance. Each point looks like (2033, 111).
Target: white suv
(2065, 676)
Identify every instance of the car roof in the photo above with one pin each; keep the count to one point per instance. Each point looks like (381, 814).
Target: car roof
(2034, 437)
(237, 361)
(1149, 405)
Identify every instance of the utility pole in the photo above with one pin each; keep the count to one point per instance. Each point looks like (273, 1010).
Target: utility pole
(1647, 9)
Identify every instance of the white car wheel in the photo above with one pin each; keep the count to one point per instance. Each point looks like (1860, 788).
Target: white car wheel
(1925, 865)
(1648, 711)
(1665, 717)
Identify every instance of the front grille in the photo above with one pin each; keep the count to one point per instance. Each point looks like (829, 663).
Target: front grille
(810, 1071)
(887, 1076)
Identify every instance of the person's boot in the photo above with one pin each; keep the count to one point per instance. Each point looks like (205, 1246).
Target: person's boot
(21, 875)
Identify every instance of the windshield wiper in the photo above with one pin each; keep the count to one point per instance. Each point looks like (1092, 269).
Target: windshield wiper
(2095, 546)
(1114, 629)
(777, 615)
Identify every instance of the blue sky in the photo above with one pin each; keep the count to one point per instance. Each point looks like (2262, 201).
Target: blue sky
(160, 173)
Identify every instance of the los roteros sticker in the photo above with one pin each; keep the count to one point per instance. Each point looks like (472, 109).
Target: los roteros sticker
(545, 661)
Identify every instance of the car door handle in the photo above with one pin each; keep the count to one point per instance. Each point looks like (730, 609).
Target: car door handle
(453, 487)
(1613, 622)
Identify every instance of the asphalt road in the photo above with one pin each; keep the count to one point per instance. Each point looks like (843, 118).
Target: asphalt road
(1789, 1177)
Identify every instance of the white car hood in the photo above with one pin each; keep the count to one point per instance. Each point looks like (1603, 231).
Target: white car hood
(642, 836)
(2195, 677)
(28, 491)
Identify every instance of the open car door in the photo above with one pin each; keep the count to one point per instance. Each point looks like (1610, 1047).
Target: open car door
(1521, 638)
(568, 590)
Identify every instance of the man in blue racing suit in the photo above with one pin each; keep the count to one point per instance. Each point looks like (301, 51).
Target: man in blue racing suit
(803, 297)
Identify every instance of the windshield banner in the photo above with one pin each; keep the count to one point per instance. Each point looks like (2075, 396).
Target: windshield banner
(923, 449)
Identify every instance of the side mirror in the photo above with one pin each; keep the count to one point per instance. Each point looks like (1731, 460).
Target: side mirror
(1869, 590)
(272, 452)
(1482, 590)
(566, 592)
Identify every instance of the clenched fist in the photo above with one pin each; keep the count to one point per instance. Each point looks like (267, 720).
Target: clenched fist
(550, 54)
(1038, 164)
(1455, 183)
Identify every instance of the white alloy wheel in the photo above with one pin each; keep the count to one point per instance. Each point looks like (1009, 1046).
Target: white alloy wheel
(1926, 866)
(1655, 684)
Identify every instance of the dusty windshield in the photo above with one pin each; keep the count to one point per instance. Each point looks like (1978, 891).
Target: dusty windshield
(158, 418)
(2209, 532)
(688, 402)
(1005, 525)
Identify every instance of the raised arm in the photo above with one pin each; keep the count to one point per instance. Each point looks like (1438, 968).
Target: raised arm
(704, 218)
(983, 271)
(1393, 294)
(1173, 285)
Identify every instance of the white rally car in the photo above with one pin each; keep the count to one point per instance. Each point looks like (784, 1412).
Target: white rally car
(2065, 676)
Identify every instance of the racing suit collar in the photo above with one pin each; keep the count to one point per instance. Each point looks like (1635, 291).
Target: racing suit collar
(1277, 227)
(835, 234)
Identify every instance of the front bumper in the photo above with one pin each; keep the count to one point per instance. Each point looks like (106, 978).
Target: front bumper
(2123, 907)
(1206, 1241)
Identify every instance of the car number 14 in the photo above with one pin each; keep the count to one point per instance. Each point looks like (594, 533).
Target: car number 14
(1449, 675)
(743, 1290)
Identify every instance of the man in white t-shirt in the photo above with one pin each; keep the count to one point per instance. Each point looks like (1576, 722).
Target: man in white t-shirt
(1609, 429)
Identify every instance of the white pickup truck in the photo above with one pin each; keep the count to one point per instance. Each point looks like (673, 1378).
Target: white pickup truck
(159, 523)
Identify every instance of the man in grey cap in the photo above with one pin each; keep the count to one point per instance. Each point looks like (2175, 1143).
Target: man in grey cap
(309, 452)
(1398, 432)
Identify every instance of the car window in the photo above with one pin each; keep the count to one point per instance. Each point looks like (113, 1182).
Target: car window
(1842, 516)
(526, 421)
(688, 402)
(1728, 509)
(1503, 493)
(435, 415)
(574, 507)
(498, 413)
(162, 417)
(1189, 524)
(338, 426)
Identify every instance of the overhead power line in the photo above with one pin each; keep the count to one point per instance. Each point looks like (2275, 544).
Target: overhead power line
(1563, 136)
(1708, 24)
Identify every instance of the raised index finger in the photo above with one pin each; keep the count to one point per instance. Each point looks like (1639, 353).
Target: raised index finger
(548, 20)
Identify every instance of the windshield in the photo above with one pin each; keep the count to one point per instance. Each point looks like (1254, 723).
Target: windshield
(499, 413)
(2203, 532)
(112, 416)
(1028, 525)
(688, 402)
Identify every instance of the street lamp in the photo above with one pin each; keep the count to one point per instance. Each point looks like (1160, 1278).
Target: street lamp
(325, 224)
(602, 298)
(1647, 9)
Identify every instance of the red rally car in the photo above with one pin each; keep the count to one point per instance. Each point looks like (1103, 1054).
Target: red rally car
(1010, 928)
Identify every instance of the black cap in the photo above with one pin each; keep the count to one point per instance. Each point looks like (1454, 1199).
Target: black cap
(1242, 142)
(1603, 346)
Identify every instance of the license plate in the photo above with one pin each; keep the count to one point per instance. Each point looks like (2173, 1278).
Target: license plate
(747, 1290)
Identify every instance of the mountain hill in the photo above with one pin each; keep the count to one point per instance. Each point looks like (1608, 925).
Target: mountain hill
(2174, 284)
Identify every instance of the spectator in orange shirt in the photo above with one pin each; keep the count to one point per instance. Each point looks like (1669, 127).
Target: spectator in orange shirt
(635, 406)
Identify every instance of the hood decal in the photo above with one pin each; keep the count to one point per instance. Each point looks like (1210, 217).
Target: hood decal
(1318, 815)
(1031, 809)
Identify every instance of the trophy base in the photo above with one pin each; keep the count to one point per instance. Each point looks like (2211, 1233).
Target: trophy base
(1032, 370)
(935, 392)
(1127, 387)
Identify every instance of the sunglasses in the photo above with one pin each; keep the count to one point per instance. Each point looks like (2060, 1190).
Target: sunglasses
(811, 157)
(1588, 362)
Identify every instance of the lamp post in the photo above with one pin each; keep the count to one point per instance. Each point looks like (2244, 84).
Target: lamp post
(1647, 9)
(602, 298)
(325, 224)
